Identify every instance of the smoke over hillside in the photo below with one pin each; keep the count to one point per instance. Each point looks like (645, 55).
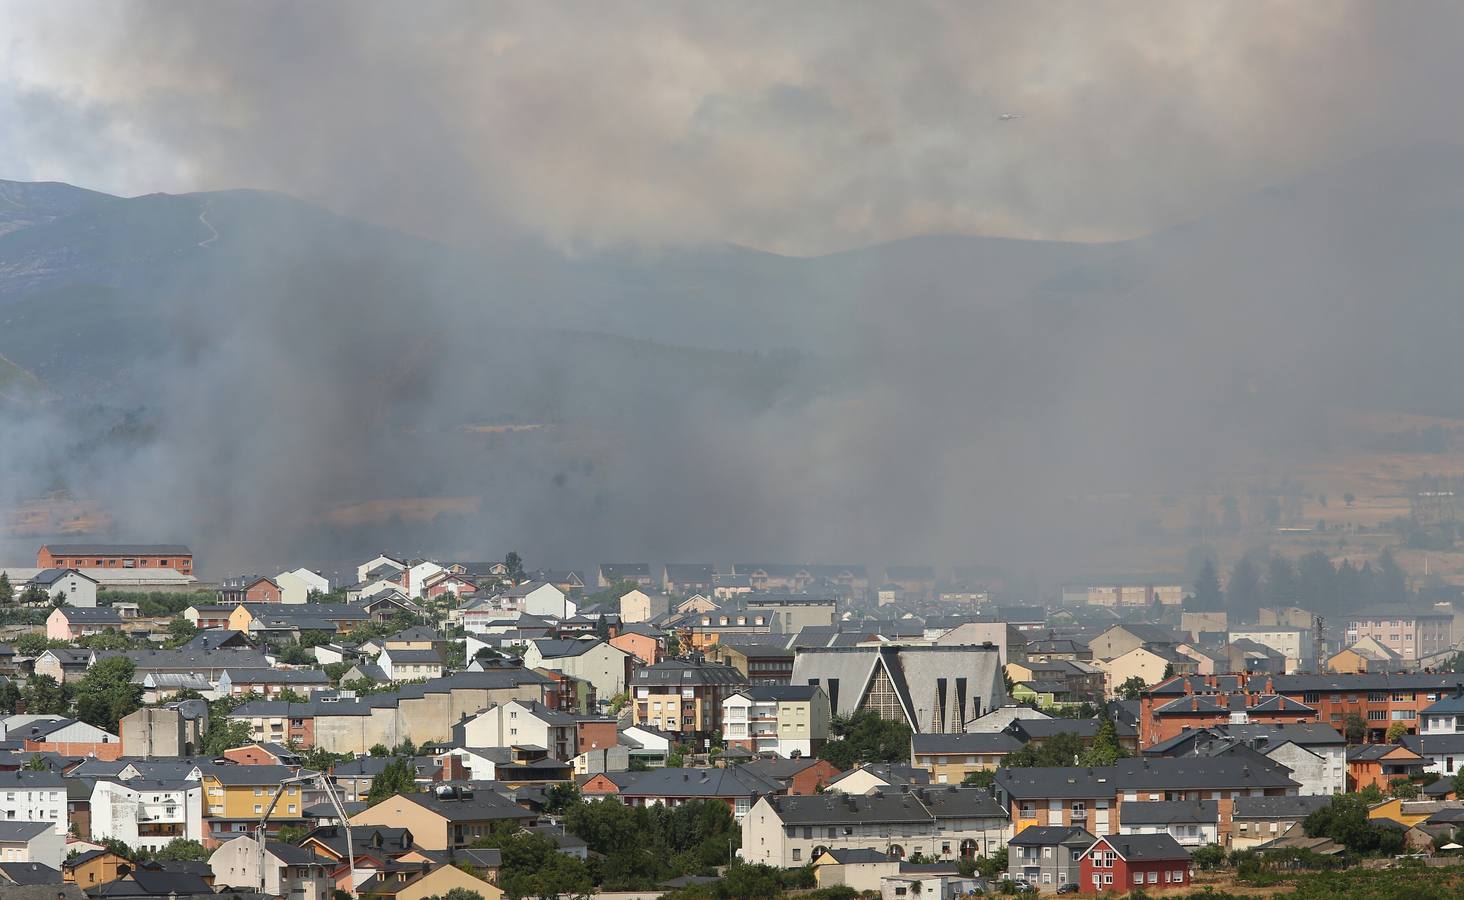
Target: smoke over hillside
(531, 213)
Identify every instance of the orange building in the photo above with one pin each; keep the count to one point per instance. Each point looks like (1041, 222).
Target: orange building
(1200, 701)
(643, 647)
(1379, 764)
(116, 556)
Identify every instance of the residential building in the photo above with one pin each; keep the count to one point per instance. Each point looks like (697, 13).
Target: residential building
(70, 623)
(611, 574)
(449, 818)
(1092, 798)
(930, 688)
(769, 662)
(64, 664)
(684, 696)
(536, 598)
(942, 823)
(173, 730)
(237, 796)
(269, 682)
(296, 585)
(1378, 764)
(600, 663)
(27, 796)
(437, 881)
(1193, 823)
(1256, 820)
(116, 556)
(409, 665)
(804, 775)
(1121, 862)
(1411, 633)
(1116, 640)
(31, 842)
(1366, 655)
(949, 758)
(147, 814)
(520, 723)
(68, 584)
(1315, 754)
(1150, 663)
(289, 871)
(641, 641)
(639, 605)
(93, 868)
(789, 720)
(1055, 648)
(68, 737)
(1295, 644)
(737, 786)
(250, 589)
(874, 778)
(1378, 699)
(789, 613)
(1048, 857)
(687, 578)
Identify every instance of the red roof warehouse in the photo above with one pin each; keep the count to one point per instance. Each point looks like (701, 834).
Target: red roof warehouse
(1121, 862)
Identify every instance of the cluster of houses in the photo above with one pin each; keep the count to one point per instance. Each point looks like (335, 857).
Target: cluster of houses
(713, 685)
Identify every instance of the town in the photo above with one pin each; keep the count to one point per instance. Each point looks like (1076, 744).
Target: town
(435, 728)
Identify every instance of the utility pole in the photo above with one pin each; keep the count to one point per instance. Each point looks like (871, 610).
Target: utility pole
(1319, 643)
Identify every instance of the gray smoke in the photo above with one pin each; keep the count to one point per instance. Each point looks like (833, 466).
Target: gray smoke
(576, 172)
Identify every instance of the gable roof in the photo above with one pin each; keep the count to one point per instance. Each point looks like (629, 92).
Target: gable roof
(1052, 835)
(1143, 847)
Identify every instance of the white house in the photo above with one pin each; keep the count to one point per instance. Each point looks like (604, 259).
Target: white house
(588, 658)
(417, 574)
(31, 842)
(34, 797)
(380, 566)
(296, 585)
(289, 871)
(520, 722)
(79, 589)
(537, 598)
(145, 813)
(1194, 823)
(409, 665)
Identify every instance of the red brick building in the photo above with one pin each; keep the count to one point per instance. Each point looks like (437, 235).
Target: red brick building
(595, 734)
(1125, 862)
(250, 589)
(116, 556)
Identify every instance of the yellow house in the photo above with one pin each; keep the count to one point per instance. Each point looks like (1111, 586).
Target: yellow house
(950, 757)
(445, 822)
(1410, 813)
(436, 883)
(240, 618)
(235, 797)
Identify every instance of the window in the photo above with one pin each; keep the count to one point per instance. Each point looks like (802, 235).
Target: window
(797, 854)
(1179, 876)
(1153, 877)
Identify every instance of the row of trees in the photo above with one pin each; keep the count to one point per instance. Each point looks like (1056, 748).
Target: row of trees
(1311, 582)
(864, 738)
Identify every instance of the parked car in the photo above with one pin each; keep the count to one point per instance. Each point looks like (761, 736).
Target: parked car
(1018, 886)
(1069, 888)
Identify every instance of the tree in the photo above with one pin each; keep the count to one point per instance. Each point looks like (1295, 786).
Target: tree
(34, 644)
(380, 750)
(292, 834)
(7, 592)
(1210, 856)
(532, 866)
(107, 693)
(1345, 820)
(1206, 596)
(983, 778)
(180, 631)
(33, 595)
(1062, 749)
(1392, 587)
(1403, 789)
(182, 849)
(865, 737)
(45, 696)
(395, 779)
(37, 763)
(1396, 732)
(515, 566)
(1132, 688)
(1354, 728)
(559, 797)
(1280, 585)
(456, 893)
(1243, 590)
(1105, 749)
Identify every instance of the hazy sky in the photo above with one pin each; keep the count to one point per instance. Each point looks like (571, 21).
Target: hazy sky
(794, 127)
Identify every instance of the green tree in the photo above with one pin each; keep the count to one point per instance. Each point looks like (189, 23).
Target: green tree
(865, 737)
(292, 834)
(34, 644)
(1396, 732)
(1132, 688)
(1206, 596)
(111, 639)
(107, 692)
(1210, 856)
(1105, 749)
(37, 763)
(9, 695)
(984, 778)
(560, 797)
(515, 566)
(7, 592)
(1354, 728)
(1243, 590)
(1063, 749)
(396, 778)
(1345, 820)
(380, 750)
(43, 695)
(532, 866)
(1403, 789)
(34, 595)
(182, 849)
(457, 893)
(180, 631)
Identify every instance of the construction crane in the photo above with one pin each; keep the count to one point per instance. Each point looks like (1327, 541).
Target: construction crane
(322, 781)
